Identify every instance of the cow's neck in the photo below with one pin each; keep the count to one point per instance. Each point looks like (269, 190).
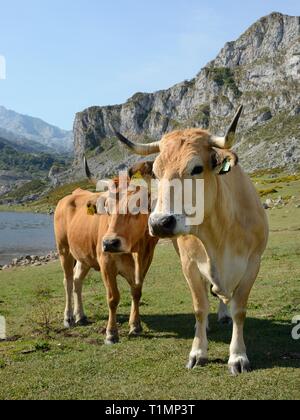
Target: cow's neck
(216, 229)
(215, 235)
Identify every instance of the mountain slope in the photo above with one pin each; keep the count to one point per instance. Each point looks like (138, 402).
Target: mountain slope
(13, 157)
(24, 144)
(25, 176)
(36, 130)
(260, 70)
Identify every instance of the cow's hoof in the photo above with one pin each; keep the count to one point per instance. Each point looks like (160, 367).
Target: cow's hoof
(135, 331)
(69, 323)
(238, 366)
(196, 360)
(111, 340)
(226, 320)
(83, 322)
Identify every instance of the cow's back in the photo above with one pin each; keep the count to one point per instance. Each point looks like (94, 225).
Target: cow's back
(75, 231)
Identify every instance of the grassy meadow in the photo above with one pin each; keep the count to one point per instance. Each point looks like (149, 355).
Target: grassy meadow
(41, 360)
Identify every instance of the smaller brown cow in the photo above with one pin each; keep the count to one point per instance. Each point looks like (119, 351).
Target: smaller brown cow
(116, 244)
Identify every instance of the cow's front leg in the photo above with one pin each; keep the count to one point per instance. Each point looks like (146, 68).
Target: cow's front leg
(238, 361)
(198, 286)
(80, 273)
(113, 299)
(67, 262)
(135, 320)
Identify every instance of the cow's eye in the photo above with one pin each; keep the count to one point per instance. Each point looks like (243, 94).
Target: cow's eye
(197, 170)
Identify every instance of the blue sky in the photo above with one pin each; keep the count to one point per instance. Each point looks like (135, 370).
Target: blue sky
(65, 55)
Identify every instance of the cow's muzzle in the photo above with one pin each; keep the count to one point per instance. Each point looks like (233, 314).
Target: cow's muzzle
(112, 245)
(162, 226)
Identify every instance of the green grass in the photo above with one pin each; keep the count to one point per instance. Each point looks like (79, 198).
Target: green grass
(47, 362)
(280, 184)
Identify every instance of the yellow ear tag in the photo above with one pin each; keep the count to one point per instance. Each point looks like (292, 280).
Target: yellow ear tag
(91, 211)
(138, 175)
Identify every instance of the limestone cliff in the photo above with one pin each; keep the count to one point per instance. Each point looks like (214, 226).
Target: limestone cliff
(260, 70)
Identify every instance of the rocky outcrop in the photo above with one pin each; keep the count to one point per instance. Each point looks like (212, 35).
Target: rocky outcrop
(31, 260)
(260, 70)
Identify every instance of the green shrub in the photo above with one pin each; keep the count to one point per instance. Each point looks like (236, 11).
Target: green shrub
(42, 346)
(267, 191)
(288, 178)
(224, 76)
(33, 187)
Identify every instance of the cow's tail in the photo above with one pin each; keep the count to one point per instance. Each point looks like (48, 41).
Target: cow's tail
(216, 291)
(212, 293)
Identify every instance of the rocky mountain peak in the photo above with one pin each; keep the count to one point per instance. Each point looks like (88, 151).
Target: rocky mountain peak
(264, 39)
(260, 70)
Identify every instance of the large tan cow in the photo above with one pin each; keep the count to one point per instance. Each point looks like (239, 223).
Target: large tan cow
(116, 244)
(225, 250)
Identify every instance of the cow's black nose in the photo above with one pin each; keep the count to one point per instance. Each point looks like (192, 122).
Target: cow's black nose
(168, 222)
(111, 245)
(163, 226)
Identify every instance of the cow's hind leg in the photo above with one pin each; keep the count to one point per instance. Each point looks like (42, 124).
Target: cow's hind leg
(239, 362)
(67, 262)
(135, 320)
(135, 326)
(80, 273)
(224, 314)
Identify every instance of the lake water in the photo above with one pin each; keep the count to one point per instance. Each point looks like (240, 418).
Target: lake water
(25, 234)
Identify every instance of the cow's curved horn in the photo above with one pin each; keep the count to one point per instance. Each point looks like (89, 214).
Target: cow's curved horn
(138, 148)
(102, 185)
(227, 142)
(88, 171)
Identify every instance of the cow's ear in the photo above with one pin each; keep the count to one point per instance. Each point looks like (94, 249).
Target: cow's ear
(223, 161)
(91, 208)
(148, 169)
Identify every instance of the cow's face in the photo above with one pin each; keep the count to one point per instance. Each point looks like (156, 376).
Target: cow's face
(186, 156)
(125, 223)
(124, 230)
